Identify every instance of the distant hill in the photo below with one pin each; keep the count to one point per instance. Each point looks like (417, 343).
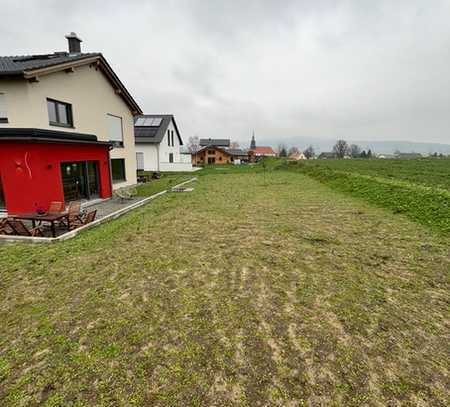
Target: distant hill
(404, 147)
(386, 147)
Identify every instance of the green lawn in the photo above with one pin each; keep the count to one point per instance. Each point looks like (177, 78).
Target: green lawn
(425, 171)
(167, 181)
(419, 189)
(243, 292)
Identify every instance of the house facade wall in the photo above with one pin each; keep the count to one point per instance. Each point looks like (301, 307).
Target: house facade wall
(165, 149)
(150, 152)
(92, 97)
(31, 177)
(156, 156)
(220, 157)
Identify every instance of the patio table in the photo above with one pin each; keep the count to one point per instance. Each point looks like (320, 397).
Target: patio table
(51, 218)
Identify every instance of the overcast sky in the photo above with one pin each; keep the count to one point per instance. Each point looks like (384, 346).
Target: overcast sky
(365, 70)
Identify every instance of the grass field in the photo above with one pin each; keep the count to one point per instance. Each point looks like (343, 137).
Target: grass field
(428, 172)
(250, 290)
(419, 189)
(167, 181)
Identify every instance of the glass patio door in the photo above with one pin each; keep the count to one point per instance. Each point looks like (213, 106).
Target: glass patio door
(92, 179)
(80, 180)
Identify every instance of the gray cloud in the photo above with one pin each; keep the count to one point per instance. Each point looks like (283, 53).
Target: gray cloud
(325, 69)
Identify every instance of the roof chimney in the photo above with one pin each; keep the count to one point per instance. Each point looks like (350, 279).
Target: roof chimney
(74, 43)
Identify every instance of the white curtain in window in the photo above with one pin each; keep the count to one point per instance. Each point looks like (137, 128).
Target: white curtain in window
(114, 128)
(3, 111)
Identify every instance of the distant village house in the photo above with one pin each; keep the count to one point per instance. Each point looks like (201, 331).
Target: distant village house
(255, 153)
(218, 151)
(297, 156)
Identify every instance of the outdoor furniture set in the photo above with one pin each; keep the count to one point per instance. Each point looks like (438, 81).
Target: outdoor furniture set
(56, 216)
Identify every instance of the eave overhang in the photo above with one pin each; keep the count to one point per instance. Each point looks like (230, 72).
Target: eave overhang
(97, 61)
(32, 135)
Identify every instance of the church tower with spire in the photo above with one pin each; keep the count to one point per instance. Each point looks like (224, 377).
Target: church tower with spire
(253, 142)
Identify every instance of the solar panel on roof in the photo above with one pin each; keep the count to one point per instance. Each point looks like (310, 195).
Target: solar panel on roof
(149, 121)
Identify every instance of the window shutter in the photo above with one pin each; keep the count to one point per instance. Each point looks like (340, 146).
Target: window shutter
(115, 128)
(3, 111)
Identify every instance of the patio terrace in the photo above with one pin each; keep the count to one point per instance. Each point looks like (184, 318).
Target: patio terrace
(106, 210)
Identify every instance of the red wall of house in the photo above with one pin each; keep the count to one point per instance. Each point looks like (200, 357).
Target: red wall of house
(31, 172)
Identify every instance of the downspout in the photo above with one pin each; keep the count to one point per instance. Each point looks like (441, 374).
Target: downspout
(157, 155)
(110, 171)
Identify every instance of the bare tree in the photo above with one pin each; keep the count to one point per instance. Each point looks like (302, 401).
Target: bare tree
(355, 151)
(293, 150)
(234, 144)
(341, 148)
(282, 150)
(193, 144)
(309, 152)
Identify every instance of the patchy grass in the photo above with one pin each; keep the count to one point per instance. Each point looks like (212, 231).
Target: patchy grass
(167, 181)
(242, 292)
(404, 193)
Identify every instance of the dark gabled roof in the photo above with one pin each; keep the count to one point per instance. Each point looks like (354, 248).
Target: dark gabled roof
(42, 135)
(155, 134)
(327, 154)
(18, 65)
(214, 142)
(26, 65)
(236, 151)
(226, 150)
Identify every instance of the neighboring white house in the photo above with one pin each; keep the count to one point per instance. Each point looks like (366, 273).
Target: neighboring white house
(297, 156)
(158, 144)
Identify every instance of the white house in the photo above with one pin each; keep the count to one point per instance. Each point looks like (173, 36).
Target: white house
(297, 156)
(158, 144)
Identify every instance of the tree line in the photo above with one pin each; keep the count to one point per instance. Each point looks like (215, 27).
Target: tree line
(342, 149)
(308, 152)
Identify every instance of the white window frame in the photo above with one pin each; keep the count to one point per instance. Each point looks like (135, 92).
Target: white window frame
(116, 139)
(119, 180)
(3, 108)
(141, 159)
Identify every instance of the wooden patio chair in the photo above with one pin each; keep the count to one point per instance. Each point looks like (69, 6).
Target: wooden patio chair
(83, 220)
(5, 229)
(73, 214)
(20, 229)
(55, 207)
(90, 217)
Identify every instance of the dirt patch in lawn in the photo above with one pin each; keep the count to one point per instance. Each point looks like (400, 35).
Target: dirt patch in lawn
(243, 292)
